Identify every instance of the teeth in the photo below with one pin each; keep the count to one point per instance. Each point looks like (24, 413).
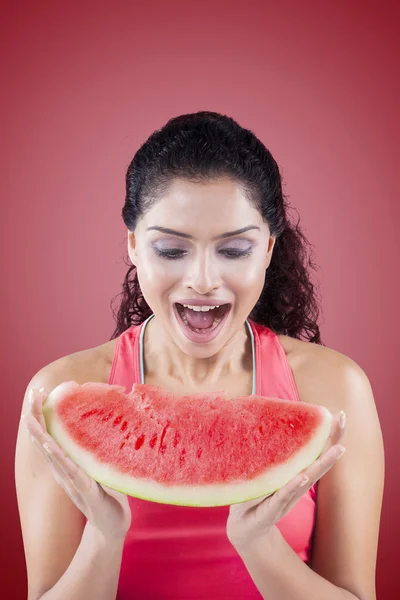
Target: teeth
(200, 308)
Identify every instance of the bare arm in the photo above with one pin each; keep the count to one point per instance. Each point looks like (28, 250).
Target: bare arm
(66, 556)
(93, 572)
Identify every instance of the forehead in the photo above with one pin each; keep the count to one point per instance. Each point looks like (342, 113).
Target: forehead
(216, 206)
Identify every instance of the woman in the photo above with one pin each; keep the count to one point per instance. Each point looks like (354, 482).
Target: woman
(217, 297)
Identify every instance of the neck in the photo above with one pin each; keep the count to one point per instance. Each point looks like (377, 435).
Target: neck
(165, 361)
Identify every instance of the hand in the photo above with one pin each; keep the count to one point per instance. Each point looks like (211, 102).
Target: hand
(107, 510)
(252, 520)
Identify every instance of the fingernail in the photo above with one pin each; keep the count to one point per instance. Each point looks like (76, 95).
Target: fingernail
(304, 481)
(47, 448)
(341, 451)
(342, 419)
(41, 390)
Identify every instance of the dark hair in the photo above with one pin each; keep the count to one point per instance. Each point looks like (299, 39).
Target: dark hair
(200, 147)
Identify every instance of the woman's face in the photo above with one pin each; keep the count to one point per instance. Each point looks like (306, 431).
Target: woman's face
(188, 249)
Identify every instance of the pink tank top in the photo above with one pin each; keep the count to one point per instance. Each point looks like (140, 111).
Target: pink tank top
(182, 552)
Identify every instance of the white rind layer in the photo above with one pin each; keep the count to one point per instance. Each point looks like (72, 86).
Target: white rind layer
(191, 495)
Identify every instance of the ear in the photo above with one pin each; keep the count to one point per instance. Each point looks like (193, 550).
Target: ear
(271, 245)
(132, 247)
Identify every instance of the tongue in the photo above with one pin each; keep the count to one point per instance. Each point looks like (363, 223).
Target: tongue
(199, 319)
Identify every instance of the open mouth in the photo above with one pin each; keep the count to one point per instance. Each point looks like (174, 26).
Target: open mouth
(201, 324)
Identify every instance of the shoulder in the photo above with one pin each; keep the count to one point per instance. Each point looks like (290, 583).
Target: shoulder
(324, 375)
(92, 364)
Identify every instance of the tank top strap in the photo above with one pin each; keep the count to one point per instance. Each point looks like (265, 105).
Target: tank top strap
(125, 369)
(274, 376)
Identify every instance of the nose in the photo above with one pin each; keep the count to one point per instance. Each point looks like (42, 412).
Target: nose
(203, 275)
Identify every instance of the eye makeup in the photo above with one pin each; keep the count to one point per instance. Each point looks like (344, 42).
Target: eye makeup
(229, 253)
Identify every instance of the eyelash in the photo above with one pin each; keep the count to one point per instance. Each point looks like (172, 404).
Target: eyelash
(230, 254)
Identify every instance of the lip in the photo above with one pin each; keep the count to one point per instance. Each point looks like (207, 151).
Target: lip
(204, 302)
(200, 338)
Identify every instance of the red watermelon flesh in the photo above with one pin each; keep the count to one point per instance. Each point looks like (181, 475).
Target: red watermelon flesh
(197, 450)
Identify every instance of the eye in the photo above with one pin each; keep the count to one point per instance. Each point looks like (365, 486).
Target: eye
(171, 254)
(235, 253)
(174, 253)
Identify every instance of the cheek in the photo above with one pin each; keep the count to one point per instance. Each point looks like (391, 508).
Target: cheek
(249, 278)
(156, 275)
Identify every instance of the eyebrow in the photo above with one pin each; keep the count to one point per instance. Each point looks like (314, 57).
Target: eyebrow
(190, 237)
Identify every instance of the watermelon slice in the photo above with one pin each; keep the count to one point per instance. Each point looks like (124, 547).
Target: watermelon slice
(197, 450)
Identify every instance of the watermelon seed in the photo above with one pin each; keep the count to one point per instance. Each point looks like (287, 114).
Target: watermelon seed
(117, 420)
(124, 425)
(108, 417)
(89, 414)
(122, 445)
(153, 441)
(199, 452)
(164, 433)
(139, 442)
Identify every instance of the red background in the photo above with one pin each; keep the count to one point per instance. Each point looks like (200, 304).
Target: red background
(85, 83)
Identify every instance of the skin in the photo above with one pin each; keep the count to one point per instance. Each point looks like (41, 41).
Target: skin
(203, 272)
(349, 502)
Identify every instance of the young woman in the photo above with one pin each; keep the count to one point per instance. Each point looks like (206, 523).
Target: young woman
(217, 297)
